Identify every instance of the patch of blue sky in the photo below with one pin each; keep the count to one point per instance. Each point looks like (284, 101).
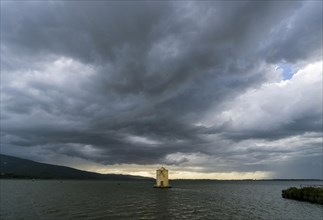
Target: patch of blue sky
(288, 71)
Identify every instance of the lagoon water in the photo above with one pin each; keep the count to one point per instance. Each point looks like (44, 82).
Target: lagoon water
(67, 199)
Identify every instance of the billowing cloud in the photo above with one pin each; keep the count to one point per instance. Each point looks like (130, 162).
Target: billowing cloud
(276, 108)
(199, 86)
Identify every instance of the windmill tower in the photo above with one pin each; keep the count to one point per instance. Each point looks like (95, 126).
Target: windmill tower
(162, 178)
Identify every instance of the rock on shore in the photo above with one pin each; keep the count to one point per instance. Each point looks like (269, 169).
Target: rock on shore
(310, 194)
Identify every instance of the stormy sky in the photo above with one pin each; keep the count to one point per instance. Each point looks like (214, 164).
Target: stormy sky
(211, 89)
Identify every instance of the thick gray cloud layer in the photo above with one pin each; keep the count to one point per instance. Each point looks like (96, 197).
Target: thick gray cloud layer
(152, 82)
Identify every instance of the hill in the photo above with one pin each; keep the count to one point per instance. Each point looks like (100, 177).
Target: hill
(13, 167)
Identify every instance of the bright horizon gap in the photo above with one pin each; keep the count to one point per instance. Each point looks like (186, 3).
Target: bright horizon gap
(178, 173)
(175, 172)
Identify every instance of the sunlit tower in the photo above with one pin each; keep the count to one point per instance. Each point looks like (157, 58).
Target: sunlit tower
(162, 178)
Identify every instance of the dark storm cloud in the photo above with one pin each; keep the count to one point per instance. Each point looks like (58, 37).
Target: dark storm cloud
(87, 31)
(312, 123)
(127, 82)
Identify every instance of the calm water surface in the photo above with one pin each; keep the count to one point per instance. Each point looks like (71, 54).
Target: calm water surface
(53, 199)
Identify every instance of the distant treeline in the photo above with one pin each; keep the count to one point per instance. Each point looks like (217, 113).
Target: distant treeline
(249, 180)
(17, 176)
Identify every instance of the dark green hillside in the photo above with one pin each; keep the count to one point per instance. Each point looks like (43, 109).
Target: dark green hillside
(13, 167)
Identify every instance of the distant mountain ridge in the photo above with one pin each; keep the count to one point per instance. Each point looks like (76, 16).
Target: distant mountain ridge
(14, 167)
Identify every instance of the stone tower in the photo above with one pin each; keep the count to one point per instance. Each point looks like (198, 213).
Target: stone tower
(162, 178)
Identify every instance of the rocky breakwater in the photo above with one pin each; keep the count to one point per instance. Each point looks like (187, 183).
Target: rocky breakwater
(309, 194)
